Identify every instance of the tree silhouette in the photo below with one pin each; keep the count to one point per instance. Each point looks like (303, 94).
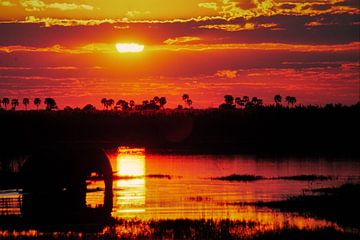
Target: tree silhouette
(277, 99)
(132, 104)
(254, 100)
(124, 105)
(293, 101)
(245, 99)
(290, 100)
(156, 99)
(14, 103)
(6, 101)
(185, 97)
(239, 102)
(229, 99)
(162, 102)
(37, 102)
(187, 100)
(103, 102)
(229, 103)
(50, 104)
(26, 102)
(89, 107)
(109, 103)
(145, 103)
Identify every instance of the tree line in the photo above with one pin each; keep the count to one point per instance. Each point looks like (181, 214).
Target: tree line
(156, 103)
(245, 102)
(50, 103)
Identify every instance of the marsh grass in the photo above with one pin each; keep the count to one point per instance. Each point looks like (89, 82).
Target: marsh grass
(185, 229)
(239, 178)
(340, 205)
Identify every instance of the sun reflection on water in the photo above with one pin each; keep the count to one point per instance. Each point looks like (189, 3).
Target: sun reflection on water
(130, 168)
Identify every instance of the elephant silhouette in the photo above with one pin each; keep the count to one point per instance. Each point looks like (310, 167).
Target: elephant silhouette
(55, 180)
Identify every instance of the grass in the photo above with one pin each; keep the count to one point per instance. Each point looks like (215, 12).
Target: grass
(340, 205)
(239, 178)
(185, 229)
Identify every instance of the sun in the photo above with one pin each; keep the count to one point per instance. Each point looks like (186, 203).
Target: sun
(129, 47)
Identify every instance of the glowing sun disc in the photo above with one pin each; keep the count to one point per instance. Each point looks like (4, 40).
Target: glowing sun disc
(129, 47)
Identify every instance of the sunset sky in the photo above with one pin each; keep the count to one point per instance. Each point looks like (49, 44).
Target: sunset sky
(206, 48)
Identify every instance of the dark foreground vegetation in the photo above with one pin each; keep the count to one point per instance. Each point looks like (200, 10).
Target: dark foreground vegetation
(271, 129)
(340, 205)
(187, 229)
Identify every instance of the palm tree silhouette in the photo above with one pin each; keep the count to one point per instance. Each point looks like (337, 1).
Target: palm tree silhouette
(6, 101)
(14, 103)
(37, 102)
(109, 103)
(254, 100)
(103, 102)
(187, 100)
(277, 99)
(229, 100)
(50, 104)
(290, 100)
(239, 102)
(246, 99)
(293, 101)
(26, 102)
(185, 97)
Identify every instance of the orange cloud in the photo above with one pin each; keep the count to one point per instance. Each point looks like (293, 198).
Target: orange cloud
(209, 5)
(261, 46)
(179, 40)
(226, 74)
(38, 5)
(106, 48)
(7, 4)
(19, 48)
(239, 27)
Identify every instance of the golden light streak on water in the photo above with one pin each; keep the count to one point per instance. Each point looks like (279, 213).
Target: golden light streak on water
(130, 167)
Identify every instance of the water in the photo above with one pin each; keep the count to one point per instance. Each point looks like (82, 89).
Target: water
(171, 186)
(153, 186)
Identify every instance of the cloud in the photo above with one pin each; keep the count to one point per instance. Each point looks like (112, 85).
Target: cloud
(255, 8)
(135, 13)
(48, 22)
(14, 68)
(226, 74)
(53, 49)
(7, 4)
(261, 46)
(180, 40)
(38, 5)
(61, 68)
(240, 27)
(209, 5)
